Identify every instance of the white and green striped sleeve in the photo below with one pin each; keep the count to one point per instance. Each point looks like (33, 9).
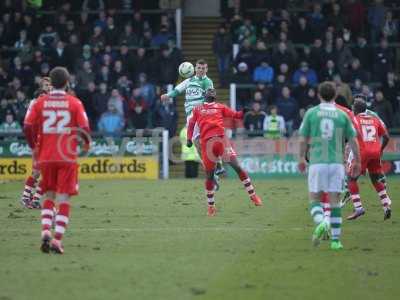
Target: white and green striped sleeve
(179, 89)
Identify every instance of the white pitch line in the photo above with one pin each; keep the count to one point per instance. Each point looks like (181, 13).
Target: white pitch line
(160, 229)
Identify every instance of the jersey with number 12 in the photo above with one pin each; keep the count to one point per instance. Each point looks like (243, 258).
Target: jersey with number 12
(56, 118)
(327, 127)
(370, 130)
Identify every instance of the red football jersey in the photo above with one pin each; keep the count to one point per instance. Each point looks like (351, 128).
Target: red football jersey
(210, 118)
(57, 118)
(369, 132)
(349, 113)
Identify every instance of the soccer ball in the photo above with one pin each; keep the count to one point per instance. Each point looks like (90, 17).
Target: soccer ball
(186, 69)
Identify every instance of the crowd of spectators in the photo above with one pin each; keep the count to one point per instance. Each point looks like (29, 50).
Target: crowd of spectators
(283, 56)
(119, 62)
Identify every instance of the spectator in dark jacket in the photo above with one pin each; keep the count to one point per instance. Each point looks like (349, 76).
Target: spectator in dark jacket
(166, 67)
(383, 60)
(329, 71)
(222, 47)
(254, 120)
(288, 108)
(128, 37)
(357, 72)
(383, 108)
(391, 91)
(167, 116)
(100, 99)
(137, 111)
(245, 55)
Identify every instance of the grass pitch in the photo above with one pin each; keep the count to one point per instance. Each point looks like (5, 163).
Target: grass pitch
(153, 240)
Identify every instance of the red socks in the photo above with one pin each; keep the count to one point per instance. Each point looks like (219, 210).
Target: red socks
(355, 194)
(47, 214)
(326, 205)
(62, 220)
(247, 183)
(381, 190)
(210, 191)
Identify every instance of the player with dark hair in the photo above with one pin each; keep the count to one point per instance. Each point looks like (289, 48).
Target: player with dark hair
(210, 117)
(373, 137)
(194, 89)
(32, 191)
(54, 125)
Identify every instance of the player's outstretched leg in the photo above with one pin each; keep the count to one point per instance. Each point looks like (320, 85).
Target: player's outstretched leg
(355, 197)
(61, 220)
(380, 188)
(317, 214)
(210, 190)
(244, 177)
(47, 222)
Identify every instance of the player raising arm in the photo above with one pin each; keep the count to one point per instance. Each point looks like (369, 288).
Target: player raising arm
(54, 126)
(194, 89)
(325, 128)
(209, 117)
(32, 192)
(371, 131)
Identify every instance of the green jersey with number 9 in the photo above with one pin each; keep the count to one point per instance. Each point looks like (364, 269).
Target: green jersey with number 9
(327, 127)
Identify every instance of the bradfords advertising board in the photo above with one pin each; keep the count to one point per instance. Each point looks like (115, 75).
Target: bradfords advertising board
(135, 158)
(263, 158)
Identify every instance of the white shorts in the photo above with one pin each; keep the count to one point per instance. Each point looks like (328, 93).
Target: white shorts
(326, 178)
(196, 130)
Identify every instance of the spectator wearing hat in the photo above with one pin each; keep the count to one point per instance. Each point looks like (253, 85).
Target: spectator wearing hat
(263, 73)
(304, 70)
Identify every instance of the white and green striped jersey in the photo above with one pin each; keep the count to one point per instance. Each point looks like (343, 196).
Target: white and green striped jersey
(195, 89)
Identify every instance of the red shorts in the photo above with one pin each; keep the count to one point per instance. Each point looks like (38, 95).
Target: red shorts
(370, 162)
(214, 149)
(59, 177)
